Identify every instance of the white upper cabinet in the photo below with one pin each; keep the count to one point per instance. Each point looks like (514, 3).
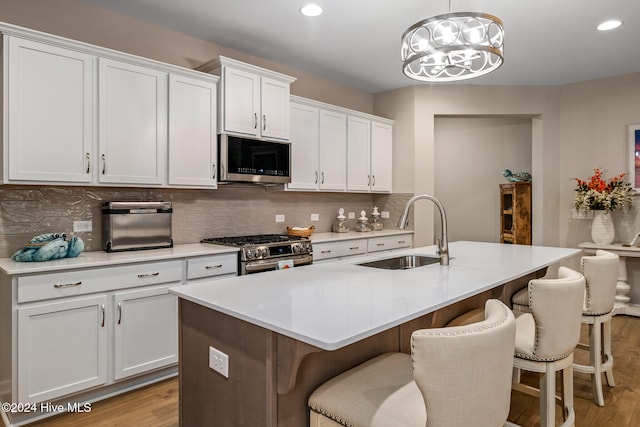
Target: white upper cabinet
(369, 155)
(333, 146)
(192, 132)
(318, 148)
(304, 147)
(76, 114)
(133, 123)
(358, 154)
(252, 100)
(241, 101)
(336, 149)
(381, 157)
(50, 105)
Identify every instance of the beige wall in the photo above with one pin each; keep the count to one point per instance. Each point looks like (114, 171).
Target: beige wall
(77, 20)
(471, 154)
(424, 103)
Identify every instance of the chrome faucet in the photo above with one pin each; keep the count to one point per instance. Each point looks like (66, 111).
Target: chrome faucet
(442, 243)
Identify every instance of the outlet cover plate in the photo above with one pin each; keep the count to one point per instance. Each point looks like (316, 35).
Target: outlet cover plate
(219, 361)
(81, 226)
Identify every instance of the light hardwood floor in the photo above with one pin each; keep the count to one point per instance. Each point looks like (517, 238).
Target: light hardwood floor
(157, 405)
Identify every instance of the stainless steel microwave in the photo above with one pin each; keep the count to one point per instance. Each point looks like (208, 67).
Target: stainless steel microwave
(243, 159)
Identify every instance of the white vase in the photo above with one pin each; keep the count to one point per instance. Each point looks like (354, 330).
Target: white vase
(602, 231)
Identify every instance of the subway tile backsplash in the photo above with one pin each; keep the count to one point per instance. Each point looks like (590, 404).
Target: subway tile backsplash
(26, 211)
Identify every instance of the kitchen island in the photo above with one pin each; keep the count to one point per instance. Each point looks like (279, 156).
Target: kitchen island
(286, 332)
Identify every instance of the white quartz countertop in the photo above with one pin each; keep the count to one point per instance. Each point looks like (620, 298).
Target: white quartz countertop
(331, 305)
(101, 258)
(351, 235)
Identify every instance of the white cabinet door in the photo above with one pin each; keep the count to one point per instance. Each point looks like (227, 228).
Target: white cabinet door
(381, 157)
(304, 147)
(274, 108)
(62, 348)
(333, 147)
(192, 132)
(133, 124)
(358, 154)
(50, 113)
(146, 330)
(241, 98)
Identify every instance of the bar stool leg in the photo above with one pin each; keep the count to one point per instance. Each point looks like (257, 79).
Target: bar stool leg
(548, 396)
(595, 360)
(607, 356)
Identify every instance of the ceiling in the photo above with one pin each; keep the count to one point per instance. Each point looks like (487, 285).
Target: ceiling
(357, 42)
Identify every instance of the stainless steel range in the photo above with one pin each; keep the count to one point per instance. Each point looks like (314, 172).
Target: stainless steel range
(265, 252)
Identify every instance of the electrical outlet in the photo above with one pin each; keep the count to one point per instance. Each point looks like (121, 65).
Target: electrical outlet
(81, 226)
(219, 362)
(279, 218)
(384, 214)
(352, 215)
(315, 217)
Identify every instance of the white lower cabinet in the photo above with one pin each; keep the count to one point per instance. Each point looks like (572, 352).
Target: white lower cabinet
(145, 330)
(83, 328)
(348, 247)
(62, 347)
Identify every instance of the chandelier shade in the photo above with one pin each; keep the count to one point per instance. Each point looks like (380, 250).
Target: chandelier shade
(453, 46)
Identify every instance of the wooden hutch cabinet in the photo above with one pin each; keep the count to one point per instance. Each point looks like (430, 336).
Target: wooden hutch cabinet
(515, 213)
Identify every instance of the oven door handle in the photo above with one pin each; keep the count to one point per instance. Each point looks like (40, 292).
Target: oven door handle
(267, 265)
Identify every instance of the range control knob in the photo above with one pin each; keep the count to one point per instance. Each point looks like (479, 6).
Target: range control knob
(264, 252)
(249, 253)
(297, 248)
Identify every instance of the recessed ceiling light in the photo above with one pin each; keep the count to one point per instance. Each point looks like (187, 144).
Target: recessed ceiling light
(311, 10)
(609, 25)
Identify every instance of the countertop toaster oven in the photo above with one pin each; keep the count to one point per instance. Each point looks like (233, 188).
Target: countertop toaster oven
(128, 226)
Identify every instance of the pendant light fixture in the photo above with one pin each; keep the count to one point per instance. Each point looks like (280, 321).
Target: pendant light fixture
(453, 46)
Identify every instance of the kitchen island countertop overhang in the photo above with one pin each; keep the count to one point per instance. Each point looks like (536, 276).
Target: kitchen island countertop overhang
(332, 305)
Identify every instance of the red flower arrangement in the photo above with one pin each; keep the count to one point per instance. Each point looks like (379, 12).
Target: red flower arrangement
(600, 194)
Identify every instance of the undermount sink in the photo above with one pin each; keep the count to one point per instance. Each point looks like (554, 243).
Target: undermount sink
(403, 262)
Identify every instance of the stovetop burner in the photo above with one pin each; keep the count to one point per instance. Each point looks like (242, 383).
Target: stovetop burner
(258, 239)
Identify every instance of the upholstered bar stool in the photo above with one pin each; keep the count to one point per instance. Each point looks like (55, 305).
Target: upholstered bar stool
(454, 377)
(546, 338)
(601, 273)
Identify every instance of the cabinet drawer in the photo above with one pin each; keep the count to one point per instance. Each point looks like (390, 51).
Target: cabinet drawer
(389, 242)
(339, 249)
(209, 266)
(86, 281)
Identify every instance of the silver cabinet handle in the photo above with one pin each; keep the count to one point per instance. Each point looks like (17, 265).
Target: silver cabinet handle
(66, 285)
(104, 164)
(316, 178)
(88, 157)
(264, 122)
(119, 313)
(102, 310)
(145, 275)
(255, 121)
(401, 242)
(211, 267)
(374, 181)
(368, 180)
(380, 244)
(326, 252)
(322, 182)
(213, 169)
(353, 248)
